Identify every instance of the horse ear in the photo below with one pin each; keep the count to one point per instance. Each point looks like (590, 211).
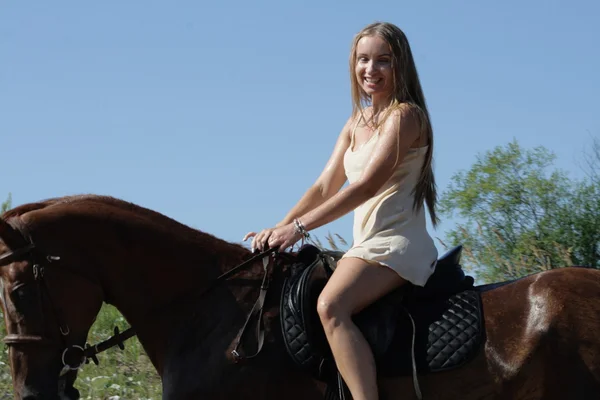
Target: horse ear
(8, 234)
(4, 227)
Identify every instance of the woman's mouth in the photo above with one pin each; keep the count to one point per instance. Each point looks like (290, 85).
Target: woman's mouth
(372, 82)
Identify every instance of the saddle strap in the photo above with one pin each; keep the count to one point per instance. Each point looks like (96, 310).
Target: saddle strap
(331, 392)
(256, 311)
(341, 386)
(414, 362)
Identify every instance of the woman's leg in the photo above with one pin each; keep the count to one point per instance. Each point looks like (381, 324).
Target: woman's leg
(354, 285)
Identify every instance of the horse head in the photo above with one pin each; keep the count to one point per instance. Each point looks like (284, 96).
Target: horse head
(45, 333)
(62, 258)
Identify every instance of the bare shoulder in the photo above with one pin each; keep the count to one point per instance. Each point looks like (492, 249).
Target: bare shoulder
(408, 121)
(349, 126)
(407, 113)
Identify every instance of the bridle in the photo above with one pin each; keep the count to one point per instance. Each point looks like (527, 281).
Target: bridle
(39, 266)
(40, 263)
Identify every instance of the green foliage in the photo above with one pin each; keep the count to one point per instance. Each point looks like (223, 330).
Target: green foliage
(519, 217)
(125, 373)
(6, 205)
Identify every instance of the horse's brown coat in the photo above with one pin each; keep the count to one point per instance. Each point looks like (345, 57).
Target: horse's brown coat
(541, 342)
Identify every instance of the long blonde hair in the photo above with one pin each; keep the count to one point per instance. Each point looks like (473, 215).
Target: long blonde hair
(407, 92)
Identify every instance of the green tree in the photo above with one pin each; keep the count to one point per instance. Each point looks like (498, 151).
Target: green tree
(518, 217)
(591, 159)
(583, 215)
(6, 205)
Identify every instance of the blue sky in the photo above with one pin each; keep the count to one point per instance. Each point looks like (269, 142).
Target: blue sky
(221, 114)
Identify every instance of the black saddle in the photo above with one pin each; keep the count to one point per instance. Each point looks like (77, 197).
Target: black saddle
(413, 329)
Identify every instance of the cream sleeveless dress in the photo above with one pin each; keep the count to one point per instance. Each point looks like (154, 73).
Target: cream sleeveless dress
(386, 229)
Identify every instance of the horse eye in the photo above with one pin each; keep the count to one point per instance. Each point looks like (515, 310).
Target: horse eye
(23, 298)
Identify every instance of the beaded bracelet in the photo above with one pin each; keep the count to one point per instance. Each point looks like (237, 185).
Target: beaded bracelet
(300, 228)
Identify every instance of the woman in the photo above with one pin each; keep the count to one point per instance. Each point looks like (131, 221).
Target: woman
(385, 151)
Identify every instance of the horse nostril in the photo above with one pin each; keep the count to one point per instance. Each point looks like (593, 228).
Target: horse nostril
(72, 393)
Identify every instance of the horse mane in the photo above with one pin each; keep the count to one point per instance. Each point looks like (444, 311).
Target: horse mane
(174, 227)
(25, 208)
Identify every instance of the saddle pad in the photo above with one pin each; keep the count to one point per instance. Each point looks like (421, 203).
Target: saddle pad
(448, 335)
(302, 333)
(448, 327)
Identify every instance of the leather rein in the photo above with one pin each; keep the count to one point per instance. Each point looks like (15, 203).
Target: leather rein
(83, 355)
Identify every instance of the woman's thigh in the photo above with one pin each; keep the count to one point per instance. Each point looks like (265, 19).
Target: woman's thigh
(356, 283)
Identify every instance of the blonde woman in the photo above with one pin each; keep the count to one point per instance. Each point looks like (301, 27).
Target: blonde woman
(385, 152)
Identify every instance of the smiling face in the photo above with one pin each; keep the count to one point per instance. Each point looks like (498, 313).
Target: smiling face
(382, 68)
(373, 67)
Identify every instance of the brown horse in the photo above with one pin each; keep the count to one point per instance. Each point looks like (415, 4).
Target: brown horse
(62, 258)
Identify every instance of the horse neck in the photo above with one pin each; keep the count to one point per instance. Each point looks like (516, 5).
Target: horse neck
(200, 357)
(159, 287)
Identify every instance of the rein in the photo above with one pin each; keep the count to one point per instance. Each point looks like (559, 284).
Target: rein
(119, 337)
(90, 352)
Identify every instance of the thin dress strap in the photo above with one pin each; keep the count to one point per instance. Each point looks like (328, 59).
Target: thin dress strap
(354, 130)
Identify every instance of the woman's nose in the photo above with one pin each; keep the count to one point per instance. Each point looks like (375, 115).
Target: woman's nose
(370, 67)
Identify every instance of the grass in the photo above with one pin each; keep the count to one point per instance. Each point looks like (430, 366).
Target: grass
(122, 374)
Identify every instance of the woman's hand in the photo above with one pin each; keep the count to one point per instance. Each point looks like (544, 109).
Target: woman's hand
(283, 237)
(260, 239)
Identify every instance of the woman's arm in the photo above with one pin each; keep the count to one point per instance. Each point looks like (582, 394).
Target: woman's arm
(397, 135)
(330, 181)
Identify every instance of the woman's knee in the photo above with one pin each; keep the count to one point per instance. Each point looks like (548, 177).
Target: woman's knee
(331, 308)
